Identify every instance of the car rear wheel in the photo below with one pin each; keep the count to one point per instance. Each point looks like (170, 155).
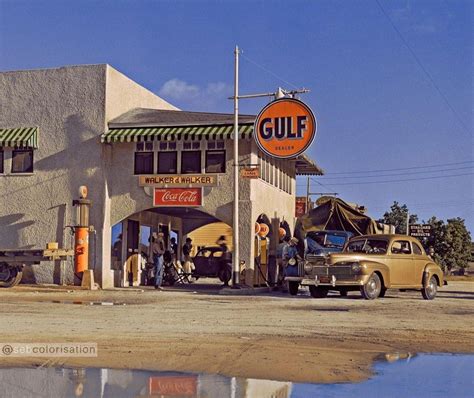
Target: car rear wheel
(318, 292)
(371, 290)
(429, 292)
(293, 287)
(225, 274)
(343, 292)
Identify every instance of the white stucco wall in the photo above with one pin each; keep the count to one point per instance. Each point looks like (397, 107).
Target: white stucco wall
(71, 107)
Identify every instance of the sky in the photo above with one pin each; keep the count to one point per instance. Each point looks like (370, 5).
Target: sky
(391, 81)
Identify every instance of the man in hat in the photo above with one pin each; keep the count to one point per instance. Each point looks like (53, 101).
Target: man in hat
(290, 251)
(158, 249)
(188, 265)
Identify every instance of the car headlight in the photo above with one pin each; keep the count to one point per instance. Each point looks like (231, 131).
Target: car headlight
(308, 268)
(356, 268)
(292, 261)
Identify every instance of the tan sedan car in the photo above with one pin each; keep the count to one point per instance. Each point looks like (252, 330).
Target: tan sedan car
(373, 264)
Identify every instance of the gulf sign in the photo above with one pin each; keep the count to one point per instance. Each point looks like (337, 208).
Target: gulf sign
(285, 128)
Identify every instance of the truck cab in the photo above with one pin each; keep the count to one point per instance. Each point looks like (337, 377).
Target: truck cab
(318, 245)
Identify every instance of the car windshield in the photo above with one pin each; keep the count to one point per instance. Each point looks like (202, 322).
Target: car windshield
(367, 246)
(325, 239)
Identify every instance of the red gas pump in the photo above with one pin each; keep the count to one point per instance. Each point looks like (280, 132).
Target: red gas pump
(81, 232)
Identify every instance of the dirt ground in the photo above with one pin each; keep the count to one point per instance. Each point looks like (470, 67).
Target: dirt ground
(269, 336)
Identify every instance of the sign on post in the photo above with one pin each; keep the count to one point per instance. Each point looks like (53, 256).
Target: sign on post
(285, 128)
(250, 172)
(420, 230)
(300, 208)
(181, 197)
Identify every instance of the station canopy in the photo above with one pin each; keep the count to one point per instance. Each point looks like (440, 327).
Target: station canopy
(19, 137)
(142, 124)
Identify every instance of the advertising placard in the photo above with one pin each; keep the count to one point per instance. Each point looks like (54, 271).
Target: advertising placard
(181, 197)
(285, 128)
(179, 180)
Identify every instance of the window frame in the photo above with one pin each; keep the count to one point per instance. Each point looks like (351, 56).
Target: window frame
(138, 153)
(414, 244)
(200, 161)
(22, 150)
(158, 162)
(401, 250)
(224, 163)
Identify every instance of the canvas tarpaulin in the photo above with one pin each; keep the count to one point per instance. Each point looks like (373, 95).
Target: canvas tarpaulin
(335, 214)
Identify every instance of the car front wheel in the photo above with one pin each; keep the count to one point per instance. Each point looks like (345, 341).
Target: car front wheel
(371, 290)
(429, 292)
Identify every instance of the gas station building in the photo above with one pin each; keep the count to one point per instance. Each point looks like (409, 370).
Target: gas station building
(148, 167)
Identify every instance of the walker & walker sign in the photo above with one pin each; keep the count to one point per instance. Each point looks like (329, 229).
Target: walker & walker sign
(285, 128)
(182, 197)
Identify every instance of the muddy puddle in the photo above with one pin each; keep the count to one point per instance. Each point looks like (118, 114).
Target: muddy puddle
(395, 375)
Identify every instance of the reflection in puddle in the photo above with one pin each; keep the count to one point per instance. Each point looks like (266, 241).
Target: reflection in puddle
(77, 302)
(399, 375)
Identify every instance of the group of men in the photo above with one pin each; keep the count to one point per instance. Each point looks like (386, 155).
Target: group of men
(158, 248)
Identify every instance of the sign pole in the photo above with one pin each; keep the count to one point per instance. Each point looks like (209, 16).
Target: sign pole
(235, 258)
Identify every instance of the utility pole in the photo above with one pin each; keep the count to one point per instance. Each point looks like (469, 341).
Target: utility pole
(235, 234)
(307, 194)
(408, 222)
(280, 93)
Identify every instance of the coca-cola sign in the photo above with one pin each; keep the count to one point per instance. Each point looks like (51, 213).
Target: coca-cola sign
(185, 197)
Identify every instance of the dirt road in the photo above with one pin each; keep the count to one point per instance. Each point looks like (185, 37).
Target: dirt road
(271, 336)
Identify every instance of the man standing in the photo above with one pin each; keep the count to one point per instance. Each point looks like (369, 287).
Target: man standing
(188, 265)
(158, 249)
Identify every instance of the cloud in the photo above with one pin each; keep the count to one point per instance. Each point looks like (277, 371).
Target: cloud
(416, 20)
(178, 90)
(193, 96)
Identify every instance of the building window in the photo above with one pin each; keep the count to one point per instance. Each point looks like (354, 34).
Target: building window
(1, 160)
(192, 145)
(168, 146)
(22, 161)
(168, 162)
(144, 162)
(215, 162)
(191, 162)
(145, 146)
(215, 145)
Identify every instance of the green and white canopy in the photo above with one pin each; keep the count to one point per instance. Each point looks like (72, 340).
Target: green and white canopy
(21, 137)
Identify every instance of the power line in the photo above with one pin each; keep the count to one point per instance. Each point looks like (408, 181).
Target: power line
(397, 174)
(405, 180)
(269, 71)
(428, 75)
(402, 168)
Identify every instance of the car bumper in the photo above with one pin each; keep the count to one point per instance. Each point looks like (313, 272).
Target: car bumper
(334, 281)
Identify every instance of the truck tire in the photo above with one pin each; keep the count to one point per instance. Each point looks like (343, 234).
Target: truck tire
(11, 276)
(318, 292)
(293, 287)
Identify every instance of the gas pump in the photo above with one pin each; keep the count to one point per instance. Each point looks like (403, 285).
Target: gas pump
(81, 232)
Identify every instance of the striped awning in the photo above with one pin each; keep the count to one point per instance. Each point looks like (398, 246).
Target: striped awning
(19, 137)
(173, 133)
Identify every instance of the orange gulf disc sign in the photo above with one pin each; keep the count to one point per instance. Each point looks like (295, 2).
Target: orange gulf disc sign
(285, 128)
(264, 230)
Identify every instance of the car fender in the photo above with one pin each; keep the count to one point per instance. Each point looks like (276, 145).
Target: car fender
(381, 268)
(430, 270)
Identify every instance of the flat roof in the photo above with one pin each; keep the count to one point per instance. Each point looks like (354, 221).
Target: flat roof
(144, 117)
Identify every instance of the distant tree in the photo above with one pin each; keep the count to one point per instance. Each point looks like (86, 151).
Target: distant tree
(451, 243)
(397, 216)
(437, 241)
(458, 240)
